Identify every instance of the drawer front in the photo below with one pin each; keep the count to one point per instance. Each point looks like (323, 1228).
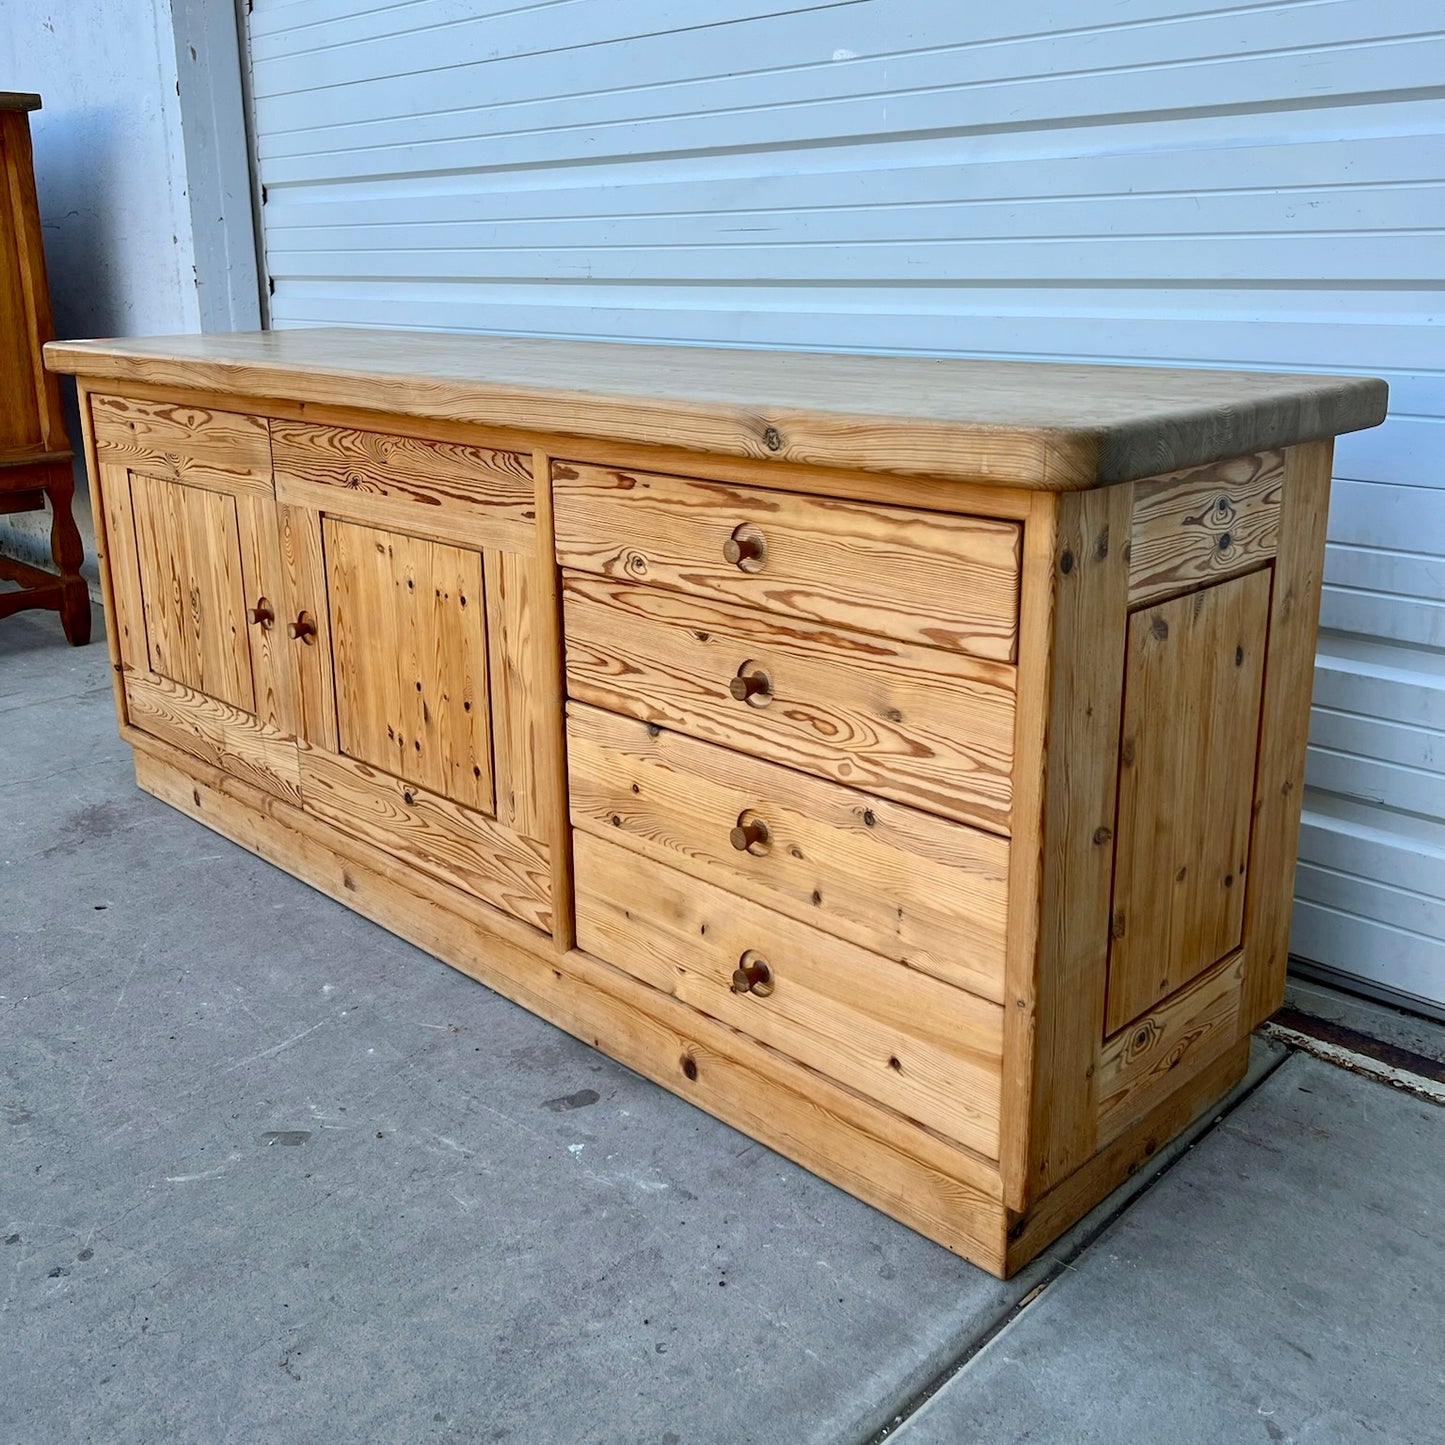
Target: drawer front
(922, 577)
(927, 1050)
(474, 493)
(225, 451)
(926, 892)
(915, 724)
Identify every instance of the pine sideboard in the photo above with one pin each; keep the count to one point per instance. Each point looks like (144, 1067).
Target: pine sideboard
(899, 758)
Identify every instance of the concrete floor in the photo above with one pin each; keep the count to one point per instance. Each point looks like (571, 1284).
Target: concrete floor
(268, 1173)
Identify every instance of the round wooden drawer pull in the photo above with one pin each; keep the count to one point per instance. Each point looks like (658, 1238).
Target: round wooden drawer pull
(747, 548)
(752, 685)
(751, 835)
(303, 629)
(753, 975)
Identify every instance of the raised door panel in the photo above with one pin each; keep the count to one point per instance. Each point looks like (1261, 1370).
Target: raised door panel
(409, 644)
(192, 591)
(1187, 756)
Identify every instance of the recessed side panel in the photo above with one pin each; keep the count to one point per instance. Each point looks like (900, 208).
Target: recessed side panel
(409, 633)
(1187, 757)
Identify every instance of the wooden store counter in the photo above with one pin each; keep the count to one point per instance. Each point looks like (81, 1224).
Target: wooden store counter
(899, 758)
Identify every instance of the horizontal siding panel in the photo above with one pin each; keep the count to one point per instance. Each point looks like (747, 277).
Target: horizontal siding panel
(684, 91)
(1218, 258)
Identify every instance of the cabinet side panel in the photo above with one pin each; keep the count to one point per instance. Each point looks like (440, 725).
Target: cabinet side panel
(1081, 761)
(408, 629)
(1289, 670)
(1186, 784)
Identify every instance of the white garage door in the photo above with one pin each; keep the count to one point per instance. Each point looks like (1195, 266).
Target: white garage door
(1170, 181)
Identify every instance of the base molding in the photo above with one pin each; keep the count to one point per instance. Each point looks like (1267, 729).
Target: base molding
(946, 1193)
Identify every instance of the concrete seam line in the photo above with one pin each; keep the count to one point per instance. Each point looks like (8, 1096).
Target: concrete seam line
(1064, 1263)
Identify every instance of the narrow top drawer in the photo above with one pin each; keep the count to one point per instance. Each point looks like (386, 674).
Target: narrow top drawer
(927, 577)
(394, 480)
(227, 450)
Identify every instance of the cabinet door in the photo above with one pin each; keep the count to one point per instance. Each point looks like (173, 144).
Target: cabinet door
(190, 527)
(412, 564)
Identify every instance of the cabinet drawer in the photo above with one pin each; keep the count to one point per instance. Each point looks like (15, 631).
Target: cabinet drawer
(919, 576)
(930, 1051)
(915, 724)
(474, 493)
(222, 450)
(915, 888)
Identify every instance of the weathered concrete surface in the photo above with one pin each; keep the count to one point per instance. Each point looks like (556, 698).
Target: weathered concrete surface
(269, 1173)
(1284, 1282)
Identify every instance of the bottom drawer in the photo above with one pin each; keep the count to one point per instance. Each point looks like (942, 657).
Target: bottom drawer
(930, 1051)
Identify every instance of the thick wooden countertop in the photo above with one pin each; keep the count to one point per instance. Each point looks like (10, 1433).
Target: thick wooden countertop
(1022, 424)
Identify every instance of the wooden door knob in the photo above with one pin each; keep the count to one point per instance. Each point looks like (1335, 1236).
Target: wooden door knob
(263, 614)
(303, 629)
(752, 685)
(751, 835)
(753, 975)
(747, 548)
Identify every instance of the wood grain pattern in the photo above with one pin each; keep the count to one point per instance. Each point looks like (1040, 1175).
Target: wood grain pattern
(1159, 1050)
(1090, 586)
(105, 542)
(526, 692)
(901, 883)
(263, 572)
(303, 564)
(474, 494)
(947, 1193)
(944, 581)
(126, 615)
(192, 589)
(922, 726)
(542, 699)
(1294, 613)
(1026, 829)
(1204, 524)
(1023, 424)
(1186, 789)
(34, 453)
(218, 734)
(409, 653)
(202, 446)
(933, 494)
(929, 1051)
(462, 848)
